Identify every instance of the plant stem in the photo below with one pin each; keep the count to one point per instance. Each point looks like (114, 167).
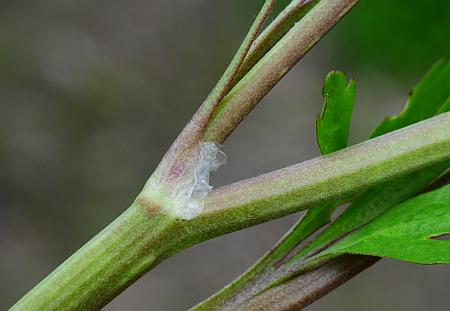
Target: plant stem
(300, 292)
(274, 32)
(263, 273)
(335, 177)
(145, 234)
(184, 145)
(105, 266)
(274, 65)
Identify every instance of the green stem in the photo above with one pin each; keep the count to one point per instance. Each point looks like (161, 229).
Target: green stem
(300, 292)
(146, 234)
(274, 32)
(182, 149)
(105, 266)
(266, 73)
(335, 177)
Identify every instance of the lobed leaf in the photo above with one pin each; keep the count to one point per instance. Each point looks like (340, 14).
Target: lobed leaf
(333, 124)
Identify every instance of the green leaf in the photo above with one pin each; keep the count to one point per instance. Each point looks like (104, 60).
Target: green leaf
(425, 101)
(374, 202)
(406, 232)
(333, 124)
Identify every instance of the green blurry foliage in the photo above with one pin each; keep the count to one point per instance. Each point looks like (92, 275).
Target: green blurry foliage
(333, 124)
(398, 37)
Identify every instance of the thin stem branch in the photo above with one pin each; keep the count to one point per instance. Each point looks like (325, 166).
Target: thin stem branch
(228, 78)
(274, 65)
(274, 32)
(310, 286)
(193, 132)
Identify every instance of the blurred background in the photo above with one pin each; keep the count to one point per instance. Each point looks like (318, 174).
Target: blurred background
(93, 92)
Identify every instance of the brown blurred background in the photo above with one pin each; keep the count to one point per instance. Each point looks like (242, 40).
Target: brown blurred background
(93, 92)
